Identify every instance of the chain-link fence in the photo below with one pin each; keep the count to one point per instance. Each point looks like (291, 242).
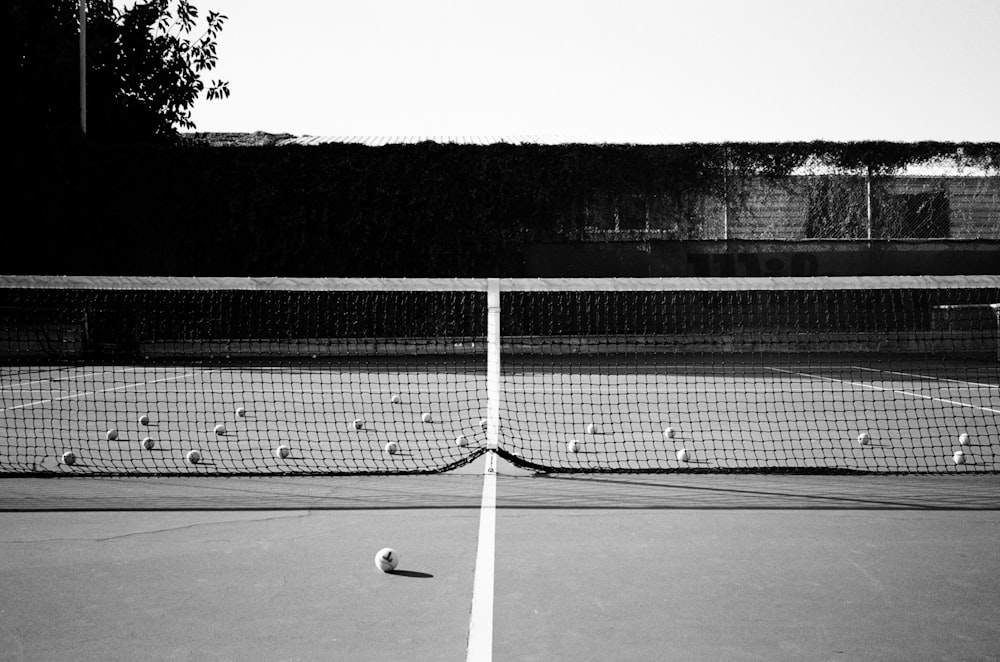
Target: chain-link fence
(811, 207)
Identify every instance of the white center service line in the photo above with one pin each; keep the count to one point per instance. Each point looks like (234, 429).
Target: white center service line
(481, 622)
(105, 390)
(887, 390)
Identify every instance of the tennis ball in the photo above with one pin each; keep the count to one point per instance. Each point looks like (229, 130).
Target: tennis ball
(864, 439)
(683, 455)
(220, 429)
(144, 420)
(111, 434)
(669, 433)
(68, 458)
(959, 457)
(395, 399)
(282, 451)
(241, 412)
(590, 429)
(461, 440)
(573, 446)
(194, 457)
(483, 423)
(426, 418)
(386, 559)
(148, 443)
(357, 424)
(392, 448)
(963, 439)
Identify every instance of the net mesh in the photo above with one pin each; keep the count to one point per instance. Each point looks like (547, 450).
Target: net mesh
(311, 381)
(862, 379)
(884, 375)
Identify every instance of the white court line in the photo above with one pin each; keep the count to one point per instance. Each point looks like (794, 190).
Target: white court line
(940, 379)
(19, 384)
(64, 379)
(651, 387)
(888, 390)
(106, 390)
(481, 621)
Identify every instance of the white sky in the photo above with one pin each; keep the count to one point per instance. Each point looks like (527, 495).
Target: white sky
(670, 70)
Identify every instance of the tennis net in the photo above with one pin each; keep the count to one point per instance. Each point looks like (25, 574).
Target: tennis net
(149, 376)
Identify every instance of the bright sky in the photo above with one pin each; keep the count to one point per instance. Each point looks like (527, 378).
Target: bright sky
(669, 70)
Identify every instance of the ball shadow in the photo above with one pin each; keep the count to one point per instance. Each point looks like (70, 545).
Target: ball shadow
(412, 574)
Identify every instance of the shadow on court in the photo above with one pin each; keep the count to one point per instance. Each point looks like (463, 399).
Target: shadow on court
(516, 490)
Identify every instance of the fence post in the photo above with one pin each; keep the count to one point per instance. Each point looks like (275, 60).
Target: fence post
(725, 193)
(83, 66)
(868, 198)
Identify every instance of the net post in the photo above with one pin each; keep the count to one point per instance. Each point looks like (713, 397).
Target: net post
(82, 19)
(492, 363)
(996, 311)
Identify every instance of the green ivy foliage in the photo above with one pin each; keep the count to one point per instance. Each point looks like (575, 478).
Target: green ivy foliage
(348, 210)
(146, 61)
(872, 157)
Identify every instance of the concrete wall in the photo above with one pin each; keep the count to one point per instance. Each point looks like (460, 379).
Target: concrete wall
(760, 258)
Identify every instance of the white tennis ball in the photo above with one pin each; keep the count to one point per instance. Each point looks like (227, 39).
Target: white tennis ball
(963, 439)
(144, 420)
(864, 439)
(590, 429)
(669, 433)
(357, 424)
(426, 417)
(148, 443)
(194, 457)
(573, 446)
(395, 399)
(241, 412)
(111, 434)
(69, 458)
(392, 448)
(282, 451)
(483, 423)
(386, 559)
(683, 455)
(959, 457)
(461, 440)
(220, 429)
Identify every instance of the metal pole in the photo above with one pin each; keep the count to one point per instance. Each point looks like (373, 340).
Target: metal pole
(725, 195)
(83, 66)
(868, 198)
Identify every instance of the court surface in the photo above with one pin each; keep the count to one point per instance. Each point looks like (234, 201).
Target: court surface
(506, 564)
(623, 567)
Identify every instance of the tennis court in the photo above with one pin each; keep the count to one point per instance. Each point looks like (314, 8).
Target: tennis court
(732, 416)
(680, 566)
(719, 502)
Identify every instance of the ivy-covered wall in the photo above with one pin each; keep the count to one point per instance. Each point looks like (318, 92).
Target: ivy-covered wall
(349, 210)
